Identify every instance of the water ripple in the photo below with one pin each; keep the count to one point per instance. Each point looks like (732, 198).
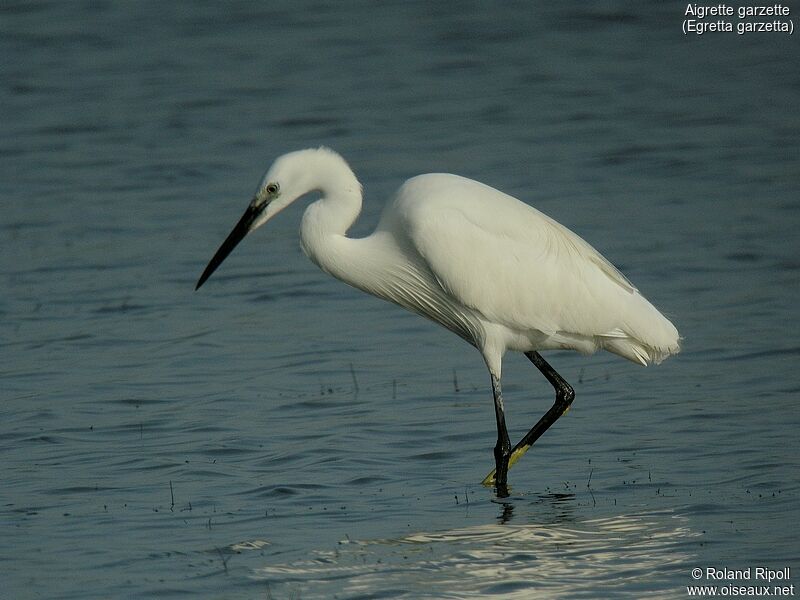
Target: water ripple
(620, 556)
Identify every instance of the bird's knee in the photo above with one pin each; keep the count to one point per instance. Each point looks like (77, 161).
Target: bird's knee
(569, 394)
(565, 395)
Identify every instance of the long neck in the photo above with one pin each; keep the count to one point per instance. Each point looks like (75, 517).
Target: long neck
(324, 227)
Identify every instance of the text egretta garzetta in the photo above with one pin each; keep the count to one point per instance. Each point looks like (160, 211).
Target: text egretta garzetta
(491, 269)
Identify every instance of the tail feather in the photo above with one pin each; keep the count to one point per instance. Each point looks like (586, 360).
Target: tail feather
(645, 337)
(636, 351)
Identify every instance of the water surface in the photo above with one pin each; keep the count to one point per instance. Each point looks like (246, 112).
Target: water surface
(280, 435)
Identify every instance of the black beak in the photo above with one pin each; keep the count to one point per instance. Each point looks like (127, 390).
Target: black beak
(234, 237)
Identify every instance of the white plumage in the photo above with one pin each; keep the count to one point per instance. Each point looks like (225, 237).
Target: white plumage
(479, 262)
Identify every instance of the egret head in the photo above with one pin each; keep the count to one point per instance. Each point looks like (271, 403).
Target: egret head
(291, 176)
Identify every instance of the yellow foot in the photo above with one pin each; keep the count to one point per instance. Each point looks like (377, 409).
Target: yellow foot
(515, 456)
(488, 481)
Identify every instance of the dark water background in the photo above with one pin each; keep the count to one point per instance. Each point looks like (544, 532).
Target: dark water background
(279, 435)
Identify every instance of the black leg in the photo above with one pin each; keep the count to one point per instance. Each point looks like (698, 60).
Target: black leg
(502, 451)
(564, 397)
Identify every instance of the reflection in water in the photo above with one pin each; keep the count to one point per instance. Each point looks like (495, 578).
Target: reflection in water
(506, 513)
(620, 555)
(552, 507)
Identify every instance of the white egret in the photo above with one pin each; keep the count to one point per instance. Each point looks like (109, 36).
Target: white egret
(491, 269)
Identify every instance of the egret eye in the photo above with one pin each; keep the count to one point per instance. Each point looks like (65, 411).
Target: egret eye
(272, 188)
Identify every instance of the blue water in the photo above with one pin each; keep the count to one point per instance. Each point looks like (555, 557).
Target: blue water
(279, 435)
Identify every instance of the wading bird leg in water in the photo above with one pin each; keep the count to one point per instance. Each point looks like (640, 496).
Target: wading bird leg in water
(503, 460)
(502, 451)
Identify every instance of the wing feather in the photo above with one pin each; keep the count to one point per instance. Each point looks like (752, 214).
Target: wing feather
(508, 261)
